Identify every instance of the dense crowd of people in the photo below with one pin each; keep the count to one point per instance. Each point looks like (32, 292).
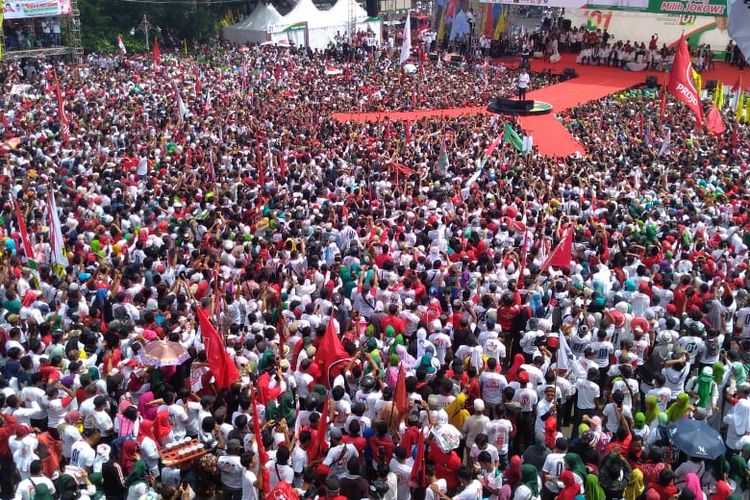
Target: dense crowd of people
(388, 325)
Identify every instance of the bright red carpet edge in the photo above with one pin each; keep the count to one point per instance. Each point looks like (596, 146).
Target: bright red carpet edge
(550, 137)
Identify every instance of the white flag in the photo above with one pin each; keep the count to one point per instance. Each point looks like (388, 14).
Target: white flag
(406, 44)
(121, 45)
(59, 259)
(181, 108)
(567, 361)
(739, 25)
(664, 149)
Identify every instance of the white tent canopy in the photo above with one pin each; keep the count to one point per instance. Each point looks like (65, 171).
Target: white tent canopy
(323, 25)
(254, 28)
(304, 24)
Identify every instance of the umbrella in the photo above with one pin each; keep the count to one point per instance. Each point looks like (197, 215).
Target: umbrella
(697, 439)
(409, 68)
(164, 353)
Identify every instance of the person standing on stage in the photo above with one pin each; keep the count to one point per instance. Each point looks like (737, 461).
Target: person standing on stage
(523, 84)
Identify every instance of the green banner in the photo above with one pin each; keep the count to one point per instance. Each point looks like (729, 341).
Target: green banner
(715, 8)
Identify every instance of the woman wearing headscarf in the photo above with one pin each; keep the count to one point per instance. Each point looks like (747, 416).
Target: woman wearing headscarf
(162, 430)
(129, 455)
(518, 360)
(679, 408)
(456, 411)
(693, 484)
(704, 391)
(639, 425)
(137, 481)
(738, 472)
(145, 408)
(635, 487)
(530, 485)
(282, 407)
(126, 421)
(614, 474)
(575, 464)
(512, 474)
(722, 491)
(593, 489)
(652, 410)
(571, 488)
(70, 432)
(95, 490)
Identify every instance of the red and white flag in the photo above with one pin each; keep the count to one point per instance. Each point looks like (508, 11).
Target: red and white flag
(61, 114)
(156, 55)
(208, 103)
(121, 45)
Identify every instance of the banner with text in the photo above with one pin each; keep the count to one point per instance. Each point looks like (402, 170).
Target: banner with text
(716, 8)
(23, 9)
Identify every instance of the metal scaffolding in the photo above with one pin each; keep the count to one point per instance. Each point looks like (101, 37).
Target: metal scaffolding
(71, 40)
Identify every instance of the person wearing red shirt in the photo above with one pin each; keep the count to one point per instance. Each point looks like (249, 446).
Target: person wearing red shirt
(8, 425)
(508, 312)
(392, 319)
(355, 438)
(446, 465)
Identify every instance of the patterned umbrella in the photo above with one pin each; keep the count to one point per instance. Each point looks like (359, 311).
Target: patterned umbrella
(164, 353)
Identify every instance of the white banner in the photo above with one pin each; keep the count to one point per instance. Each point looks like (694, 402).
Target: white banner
(22, 9)
(567, 4)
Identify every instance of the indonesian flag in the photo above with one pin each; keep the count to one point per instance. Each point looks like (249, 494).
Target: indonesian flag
(493, 145)
(63, 117)
(715, 123)
(681, 83)
(121, 45)
(223, 368)
(332, 71)
(26, 243)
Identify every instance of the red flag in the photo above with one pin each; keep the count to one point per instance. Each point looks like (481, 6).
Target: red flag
(261, 171)
(198, 86)
(738, 86)
(156, 56)
(714, 121)
(399, 397)
(408, 131)
(562, 254)
(282, 166)
(681, 83)
(262, 453)
(61, 114)
(417, 476)
(265, 393)
(663, 105)
(318, 445)
(221, 365)
(330, 354)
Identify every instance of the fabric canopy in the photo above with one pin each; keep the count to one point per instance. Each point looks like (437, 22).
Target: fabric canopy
(254, 28)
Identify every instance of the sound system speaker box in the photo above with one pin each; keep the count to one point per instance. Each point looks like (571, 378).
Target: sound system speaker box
(433, 56)
(570, 73)
(456, 58)
(373, 8)
(511, 106)
(651, 82)
(567, 24)
(710, 85)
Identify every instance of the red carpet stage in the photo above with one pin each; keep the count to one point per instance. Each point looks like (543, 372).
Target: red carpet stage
(552, 139)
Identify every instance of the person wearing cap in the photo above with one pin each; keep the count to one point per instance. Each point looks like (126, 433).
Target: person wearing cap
(475, 424)
(339, 453)
(231, 469)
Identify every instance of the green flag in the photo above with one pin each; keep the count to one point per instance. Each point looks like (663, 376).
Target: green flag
(510, 136)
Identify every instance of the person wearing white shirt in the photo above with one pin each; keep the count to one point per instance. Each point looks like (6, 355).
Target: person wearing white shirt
(28, 488)
(471, 489)
(401, 465)
(339, 453)
(615, 411)
(178, 417)
(249, 479)
(101, 419)
(554, 465)
(279, 468)
(82, 453)
(524, 81)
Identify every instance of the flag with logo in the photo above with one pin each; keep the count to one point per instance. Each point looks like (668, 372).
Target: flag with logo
(681, 84)
(406, 43)
(26, 245)
(121, 45)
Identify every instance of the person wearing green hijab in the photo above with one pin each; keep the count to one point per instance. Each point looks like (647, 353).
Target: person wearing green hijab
(97, 481)
(704, 387)
(426, 363)
(592, 488)
(137, 482)
(652, 409)
(266, 359)
(282, 408)
(397, 341)
(574, 462)
(529, 487)
(679, 408)
(639, 425)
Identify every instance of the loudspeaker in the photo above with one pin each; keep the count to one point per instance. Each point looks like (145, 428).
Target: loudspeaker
(569, 73)
(710, 85)
(456, 58)
(651, 82)
(511, 106)
(433, 56)
(567, 24)
(373, 8)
